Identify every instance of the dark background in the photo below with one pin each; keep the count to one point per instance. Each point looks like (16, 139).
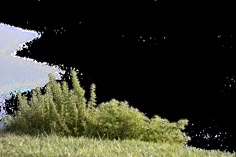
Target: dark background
(184, 68)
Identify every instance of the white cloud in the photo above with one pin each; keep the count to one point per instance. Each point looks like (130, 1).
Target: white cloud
(16, 72)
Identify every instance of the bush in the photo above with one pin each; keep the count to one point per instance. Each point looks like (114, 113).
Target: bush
(66, 112)
(161, 130)
(59, 110)
(116, 119)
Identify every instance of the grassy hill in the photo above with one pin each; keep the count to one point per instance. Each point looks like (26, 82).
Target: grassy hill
(56, 146)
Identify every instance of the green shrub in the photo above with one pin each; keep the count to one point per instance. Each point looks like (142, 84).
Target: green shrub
(66, 112)
(116, 119)
(161, 130)
(59, 110)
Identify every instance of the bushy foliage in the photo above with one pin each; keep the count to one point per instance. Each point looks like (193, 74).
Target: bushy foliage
(65, 111)
(56, 111)
(161, 130)
(116, 119)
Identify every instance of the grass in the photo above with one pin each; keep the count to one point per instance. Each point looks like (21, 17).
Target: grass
(56, 146)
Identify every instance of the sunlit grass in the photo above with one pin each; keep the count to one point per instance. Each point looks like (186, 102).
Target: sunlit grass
(55, 146)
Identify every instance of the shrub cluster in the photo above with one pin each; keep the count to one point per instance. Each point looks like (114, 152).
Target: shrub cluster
(66, 112)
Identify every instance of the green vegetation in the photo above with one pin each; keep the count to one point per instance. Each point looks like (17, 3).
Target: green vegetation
(56, 146)
(61, 122)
